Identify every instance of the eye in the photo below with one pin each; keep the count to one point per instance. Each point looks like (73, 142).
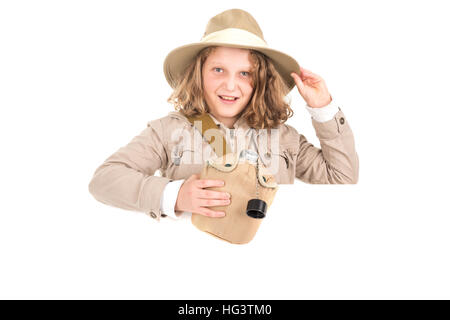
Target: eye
(247, 73)
(217, 68)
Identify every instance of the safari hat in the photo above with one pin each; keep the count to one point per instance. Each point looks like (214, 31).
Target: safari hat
(234, 28)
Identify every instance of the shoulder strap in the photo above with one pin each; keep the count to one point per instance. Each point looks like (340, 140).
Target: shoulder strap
(218, 143)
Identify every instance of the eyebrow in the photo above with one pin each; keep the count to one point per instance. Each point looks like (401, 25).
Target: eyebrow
(221, 63)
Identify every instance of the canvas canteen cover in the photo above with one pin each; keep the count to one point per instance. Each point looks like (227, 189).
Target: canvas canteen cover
(248, 182)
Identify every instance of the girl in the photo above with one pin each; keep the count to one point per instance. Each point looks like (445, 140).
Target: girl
(235, 78)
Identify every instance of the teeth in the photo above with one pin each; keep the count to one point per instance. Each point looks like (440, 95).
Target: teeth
(227, 98)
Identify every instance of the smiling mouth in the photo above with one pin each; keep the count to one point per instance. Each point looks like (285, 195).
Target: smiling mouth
(234, 98)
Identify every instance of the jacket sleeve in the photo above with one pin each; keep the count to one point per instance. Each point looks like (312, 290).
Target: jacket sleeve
(126, 179)
(337, 162)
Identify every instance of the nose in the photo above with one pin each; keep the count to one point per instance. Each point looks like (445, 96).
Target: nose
(230, 83)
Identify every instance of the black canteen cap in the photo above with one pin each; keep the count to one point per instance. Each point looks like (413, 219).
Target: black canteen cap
(256, 208)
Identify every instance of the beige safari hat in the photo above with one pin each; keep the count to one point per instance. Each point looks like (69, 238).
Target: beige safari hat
(232, 28)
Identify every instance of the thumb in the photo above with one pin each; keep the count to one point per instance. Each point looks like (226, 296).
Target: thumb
(298, 81)
(194, 176)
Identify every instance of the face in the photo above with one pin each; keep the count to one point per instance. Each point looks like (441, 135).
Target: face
(227, 73)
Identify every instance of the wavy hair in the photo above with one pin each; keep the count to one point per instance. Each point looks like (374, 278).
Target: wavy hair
(266, 109)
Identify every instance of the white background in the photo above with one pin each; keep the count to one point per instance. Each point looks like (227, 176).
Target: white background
(79, 79)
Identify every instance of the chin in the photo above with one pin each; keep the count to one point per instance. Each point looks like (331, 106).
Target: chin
(230, 110)
(229, 113)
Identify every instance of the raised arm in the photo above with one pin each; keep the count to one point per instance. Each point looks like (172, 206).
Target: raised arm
(336, 162)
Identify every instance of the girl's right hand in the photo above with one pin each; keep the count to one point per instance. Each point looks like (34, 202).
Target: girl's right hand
(193, 198)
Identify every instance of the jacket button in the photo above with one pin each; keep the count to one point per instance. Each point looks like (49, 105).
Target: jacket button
(342, 120)
(153, 215)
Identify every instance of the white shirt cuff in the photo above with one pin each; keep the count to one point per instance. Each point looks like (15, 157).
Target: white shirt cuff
(169, 198)
(325, 113)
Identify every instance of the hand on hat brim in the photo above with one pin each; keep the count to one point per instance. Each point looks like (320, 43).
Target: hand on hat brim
(312, 88)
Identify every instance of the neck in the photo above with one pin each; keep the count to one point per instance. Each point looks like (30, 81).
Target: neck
(228, 122)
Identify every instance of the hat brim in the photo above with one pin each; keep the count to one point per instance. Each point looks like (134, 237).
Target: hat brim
(178, 59)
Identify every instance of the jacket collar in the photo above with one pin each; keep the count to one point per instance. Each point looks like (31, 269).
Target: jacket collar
(240, 124)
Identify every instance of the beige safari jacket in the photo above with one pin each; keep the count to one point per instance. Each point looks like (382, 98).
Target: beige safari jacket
(126, 179)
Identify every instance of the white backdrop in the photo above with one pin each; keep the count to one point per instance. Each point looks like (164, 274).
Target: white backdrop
(79, 79)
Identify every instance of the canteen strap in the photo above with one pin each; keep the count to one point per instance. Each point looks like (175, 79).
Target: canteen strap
(208, 123)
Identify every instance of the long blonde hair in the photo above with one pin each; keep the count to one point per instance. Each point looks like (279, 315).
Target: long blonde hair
(267, 107)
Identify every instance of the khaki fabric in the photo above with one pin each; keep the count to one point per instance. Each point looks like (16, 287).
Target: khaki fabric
(126, 179)
(203, 124)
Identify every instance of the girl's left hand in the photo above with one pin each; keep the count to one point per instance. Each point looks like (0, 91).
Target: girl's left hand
(312, 88)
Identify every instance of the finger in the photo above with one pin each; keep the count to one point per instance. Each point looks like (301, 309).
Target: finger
(210, 213)
(311, 79)
(298, 81)
(308, 77)
(314, 78)
(306, 71)
(213, 202)
(210, 194)
(205, 183)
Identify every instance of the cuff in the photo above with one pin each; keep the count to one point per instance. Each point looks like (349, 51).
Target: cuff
(325, 113)
(169, 197)
(331, 129)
